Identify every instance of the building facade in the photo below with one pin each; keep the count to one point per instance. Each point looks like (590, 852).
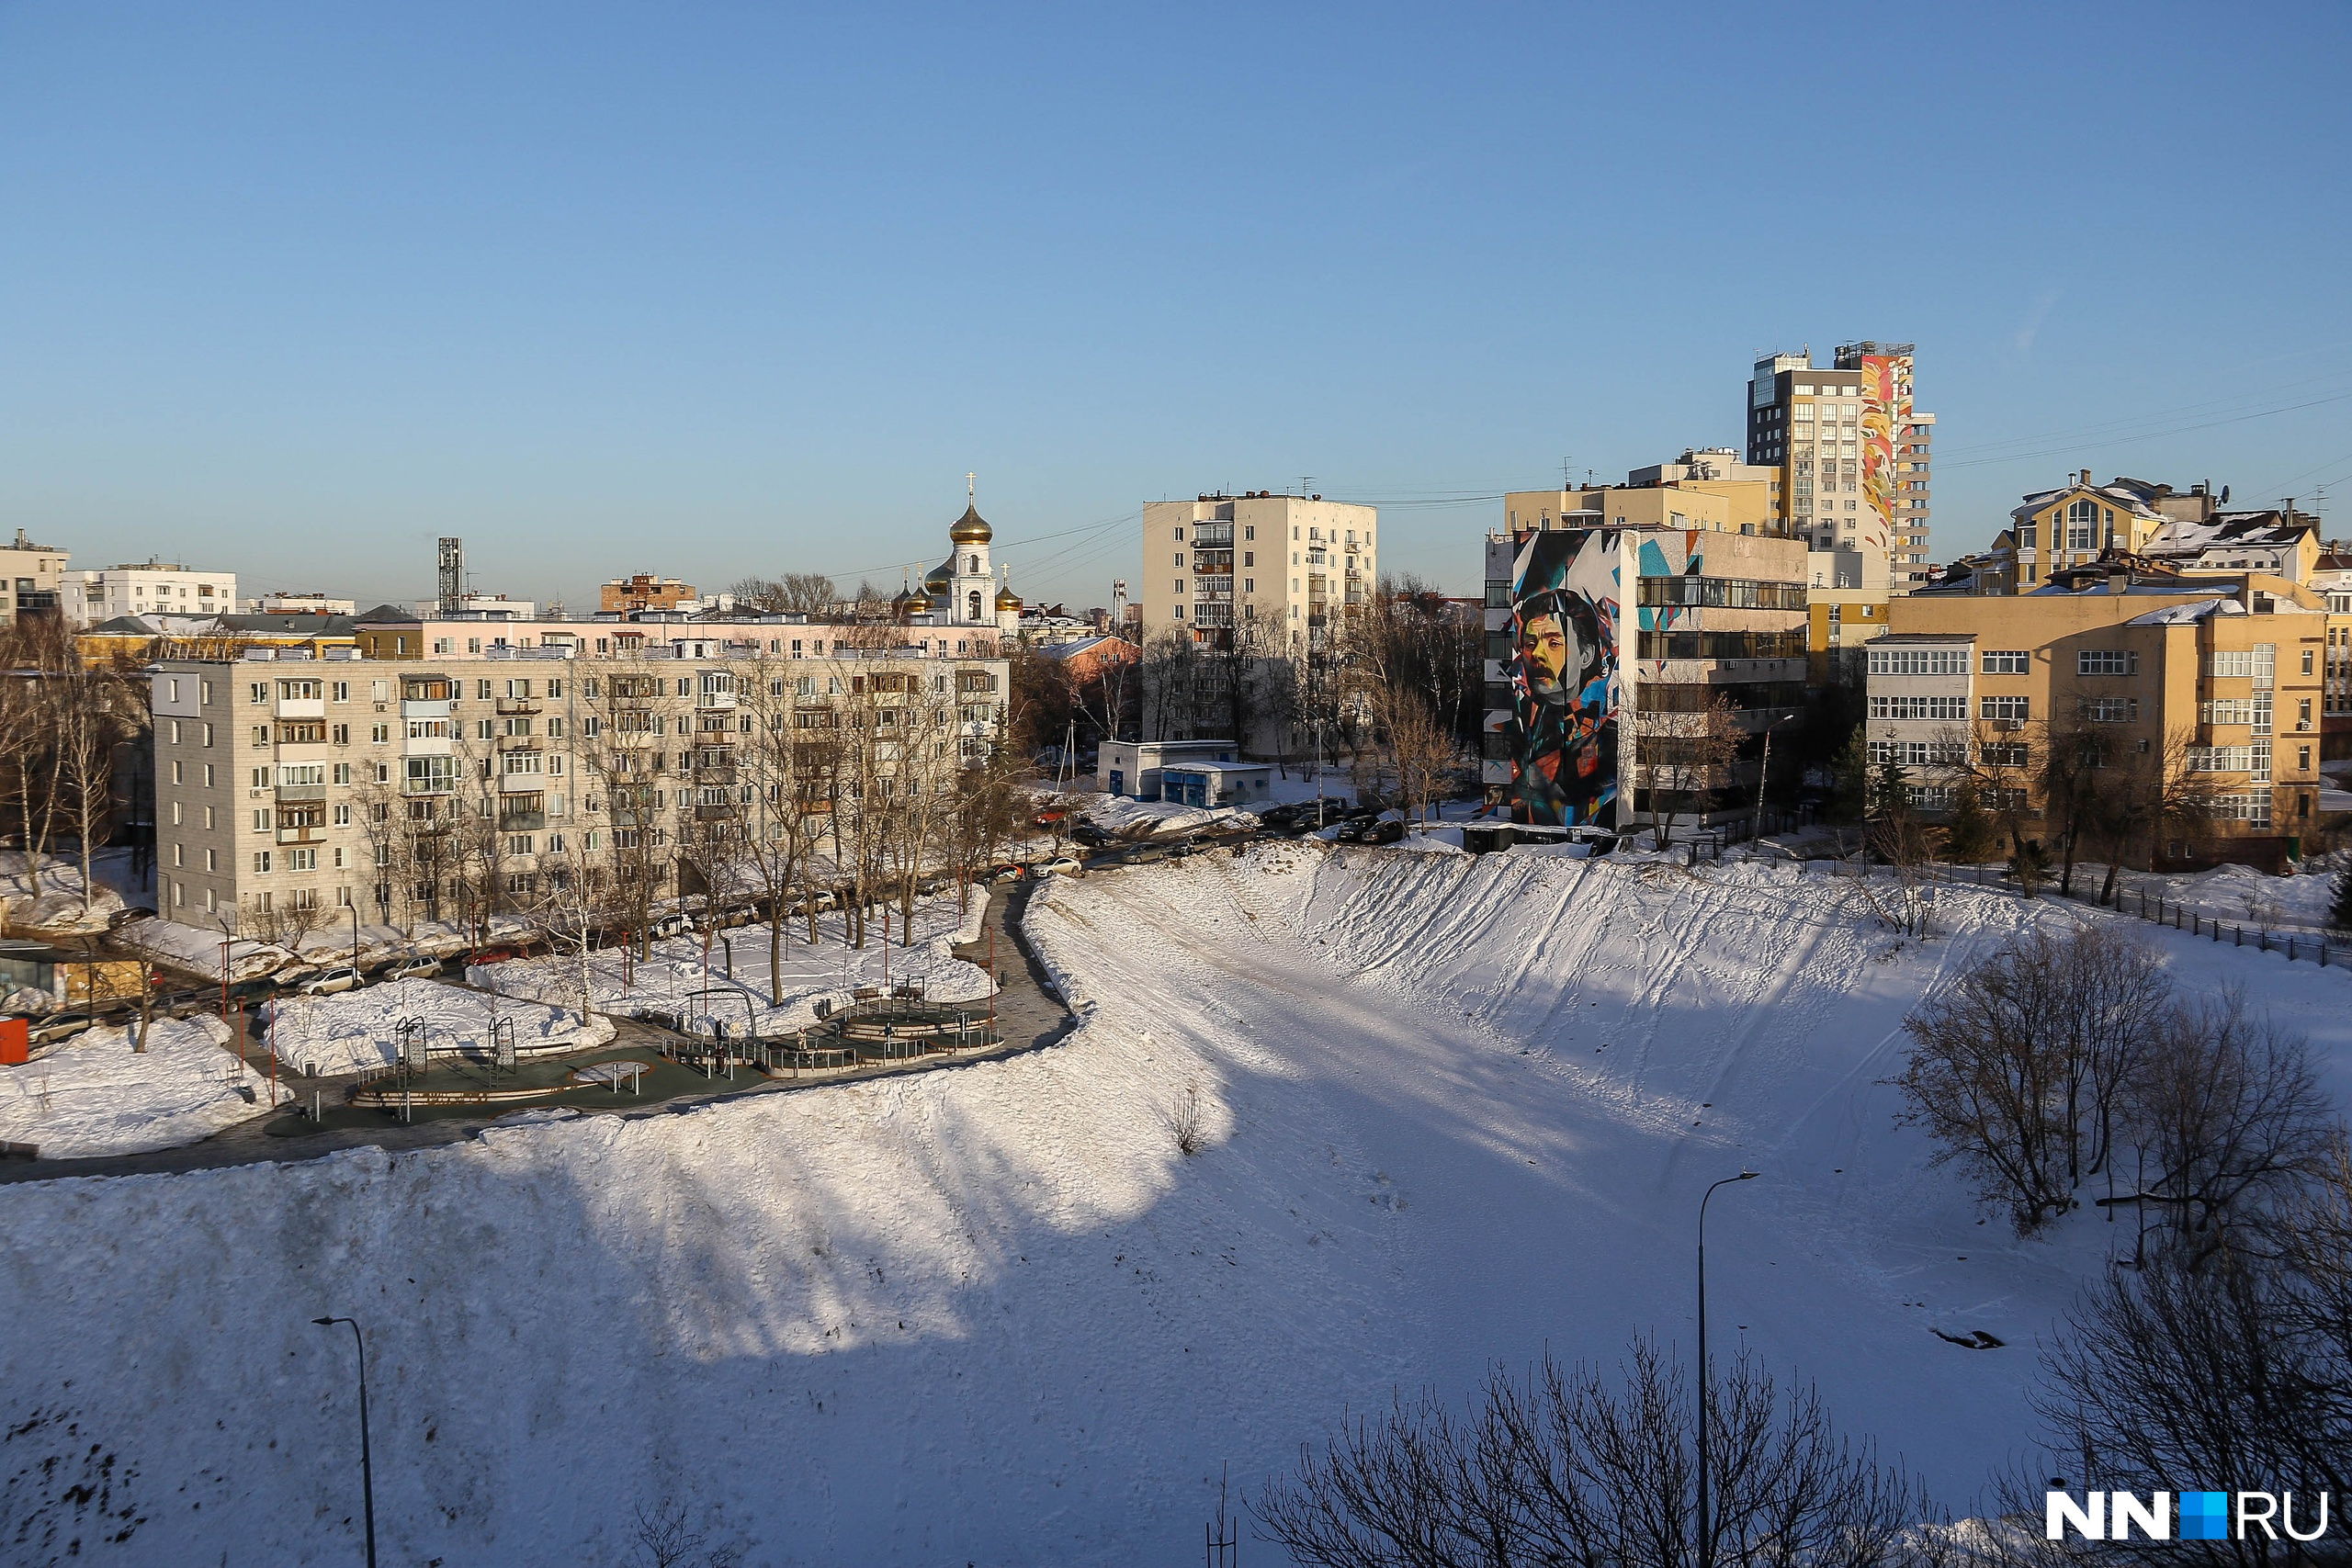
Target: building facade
(1591, 701)
(2207, 693)
(158, 588)
(32, 579)
(1284, 569)
(645, 591)
(1855, 454)
(436, 788)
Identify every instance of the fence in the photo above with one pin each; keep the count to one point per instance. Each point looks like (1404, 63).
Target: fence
(2164, 913)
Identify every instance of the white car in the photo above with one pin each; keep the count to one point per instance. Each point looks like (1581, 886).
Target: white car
(409, 968)
(1061, 865)
(342, 979)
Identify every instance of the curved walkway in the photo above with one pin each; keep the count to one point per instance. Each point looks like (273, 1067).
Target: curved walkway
(1029, 1014)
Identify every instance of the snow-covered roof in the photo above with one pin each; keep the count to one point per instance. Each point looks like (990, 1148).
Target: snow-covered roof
(2188, 614)
(2229, 530)
(2121, 495)
(1218, 768)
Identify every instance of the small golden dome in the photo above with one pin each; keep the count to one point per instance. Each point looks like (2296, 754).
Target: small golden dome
(971, 528)
(1006, 599)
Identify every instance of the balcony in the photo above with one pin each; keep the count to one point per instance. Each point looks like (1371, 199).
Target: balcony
(714, 813)
(520, 743)
(301, 707)
(509, 706)
(1212, 535)
(440, 709)
(521, 821)
(296, 793)
(722, 774)
(313, 834)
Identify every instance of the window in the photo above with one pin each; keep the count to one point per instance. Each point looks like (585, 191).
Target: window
(2251, 808)
(1919, 661)
(2004, 709)
(2106, 661)
(302, 860)
(261, 860)
(342, 691)
(2109, 710)
(2007, 661)
(2082, 526)
(381, 734)
(2254, 665)
(1919, 707)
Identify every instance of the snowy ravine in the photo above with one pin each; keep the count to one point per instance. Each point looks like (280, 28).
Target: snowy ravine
(993, 1316)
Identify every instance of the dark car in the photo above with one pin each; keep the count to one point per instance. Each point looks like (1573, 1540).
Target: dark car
(1093, 838)
(1382, 832)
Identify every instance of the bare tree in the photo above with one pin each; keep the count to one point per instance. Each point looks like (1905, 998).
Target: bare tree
(1572, 1465)
(1682, 757)
(2021, 1068)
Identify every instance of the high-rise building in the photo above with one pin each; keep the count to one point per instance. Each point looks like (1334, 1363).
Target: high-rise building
(1854, 454)
(1286, 565)
(31, 577)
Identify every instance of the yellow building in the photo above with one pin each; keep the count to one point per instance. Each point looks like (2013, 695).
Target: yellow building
(2190, 532)
(2206, 693)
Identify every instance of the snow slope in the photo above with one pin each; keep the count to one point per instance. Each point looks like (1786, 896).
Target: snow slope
(1456, 1108)
(95, 1095)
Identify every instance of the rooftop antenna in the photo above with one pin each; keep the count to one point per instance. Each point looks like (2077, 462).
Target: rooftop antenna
(1567, 470)
(1306, 484)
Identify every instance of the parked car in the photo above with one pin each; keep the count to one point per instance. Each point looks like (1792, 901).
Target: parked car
(1093, 838)
(57, 1026)
(342, 977)
(1060, 865)
(1003, 874)
(1182, 849)
(1388, 830)
(409, 968)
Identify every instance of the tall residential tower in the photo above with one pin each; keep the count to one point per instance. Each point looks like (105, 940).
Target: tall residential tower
(1854, 454)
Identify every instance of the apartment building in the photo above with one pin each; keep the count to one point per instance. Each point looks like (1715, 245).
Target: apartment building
(2192, 532)
(1854, 453)
(645, 591)
(31, 577)
(157, 587)
(2156, 674)
(418, 788)
(1587, 696)
(1287, 566)
(287, 602)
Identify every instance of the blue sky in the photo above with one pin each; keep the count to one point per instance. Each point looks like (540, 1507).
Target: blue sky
(709, 290)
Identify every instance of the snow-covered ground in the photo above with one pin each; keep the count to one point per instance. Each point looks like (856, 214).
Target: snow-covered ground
(680, 979)
(95, 1095)
(354, 1031)
(1455, 1107)
(52, 903)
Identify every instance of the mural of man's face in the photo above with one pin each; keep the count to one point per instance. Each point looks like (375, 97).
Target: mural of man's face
(1548, 651)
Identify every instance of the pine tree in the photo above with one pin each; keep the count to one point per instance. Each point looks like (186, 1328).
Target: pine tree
(1852, 771)
(1968, 837)
(2339, 914)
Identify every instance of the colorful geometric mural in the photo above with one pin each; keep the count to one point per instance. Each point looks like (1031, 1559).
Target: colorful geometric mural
(1561, 733)
(1886, 416)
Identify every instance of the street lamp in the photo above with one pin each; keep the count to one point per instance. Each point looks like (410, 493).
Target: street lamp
(366, 1469)
(1764, 765)
(1706, 1379)
(354, 908)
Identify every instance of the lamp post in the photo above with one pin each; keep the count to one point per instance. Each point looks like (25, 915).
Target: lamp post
(354, 908)
(1763, 766)
(366, 1469)
(1706, 1378)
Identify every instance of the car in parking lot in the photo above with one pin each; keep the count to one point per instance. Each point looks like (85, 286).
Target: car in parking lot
(1092, 837)
(409, 968)
(1060, 865)
(57, 1026)
(342, 977)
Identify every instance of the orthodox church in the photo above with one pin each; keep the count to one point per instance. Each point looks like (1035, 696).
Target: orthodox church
(964, 590)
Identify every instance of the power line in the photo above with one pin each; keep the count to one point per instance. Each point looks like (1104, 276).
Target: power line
(2074, 446)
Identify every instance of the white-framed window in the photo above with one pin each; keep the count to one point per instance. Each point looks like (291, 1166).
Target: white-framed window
(1909, 707)
(2109, 710)
(2106, 661)
(2015, 709)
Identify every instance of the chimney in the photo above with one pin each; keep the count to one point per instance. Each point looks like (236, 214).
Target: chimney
(2087, 479)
